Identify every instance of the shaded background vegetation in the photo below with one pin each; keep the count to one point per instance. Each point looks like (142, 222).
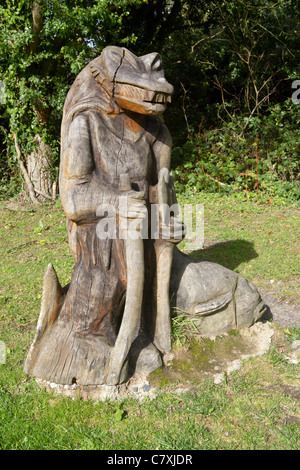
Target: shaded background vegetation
(232, 63)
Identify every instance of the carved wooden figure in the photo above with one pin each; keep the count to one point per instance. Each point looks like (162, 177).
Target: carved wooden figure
(114, 316)
(112, 145)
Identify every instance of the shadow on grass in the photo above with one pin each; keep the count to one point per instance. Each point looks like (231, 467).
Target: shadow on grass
(230, 254)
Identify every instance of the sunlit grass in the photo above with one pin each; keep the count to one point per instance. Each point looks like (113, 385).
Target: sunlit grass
(255, 408)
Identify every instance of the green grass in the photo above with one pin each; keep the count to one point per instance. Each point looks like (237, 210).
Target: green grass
(258, 240)
(256, 407)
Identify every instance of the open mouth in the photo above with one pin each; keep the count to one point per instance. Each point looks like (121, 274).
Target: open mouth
(160, 98)
(141, 94)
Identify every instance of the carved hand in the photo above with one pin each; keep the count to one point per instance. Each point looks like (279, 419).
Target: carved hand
(132, 205)
(171, 228)
(174, 231)
(163, 175)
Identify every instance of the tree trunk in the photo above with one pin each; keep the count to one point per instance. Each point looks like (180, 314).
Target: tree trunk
(39, 170)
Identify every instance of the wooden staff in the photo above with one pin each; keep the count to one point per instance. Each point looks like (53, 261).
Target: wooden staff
(134, 298)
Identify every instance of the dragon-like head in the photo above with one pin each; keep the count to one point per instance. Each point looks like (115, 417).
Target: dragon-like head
(135, 83)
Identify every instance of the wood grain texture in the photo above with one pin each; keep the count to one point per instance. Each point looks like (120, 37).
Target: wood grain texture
(110, 128)
(114, 317)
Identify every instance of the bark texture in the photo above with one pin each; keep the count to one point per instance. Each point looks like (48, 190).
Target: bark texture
(39, 170)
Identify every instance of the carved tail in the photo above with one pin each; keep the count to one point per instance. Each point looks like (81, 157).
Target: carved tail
(52, 301)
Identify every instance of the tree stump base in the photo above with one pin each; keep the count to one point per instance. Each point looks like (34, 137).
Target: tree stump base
(137, 387)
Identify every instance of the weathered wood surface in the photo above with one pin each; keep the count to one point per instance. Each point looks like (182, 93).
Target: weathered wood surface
(117, 293)
(114, 316)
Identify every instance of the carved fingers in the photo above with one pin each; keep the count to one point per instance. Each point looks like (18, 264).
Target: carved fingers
(174, 231)
(163, 176)
(133, 205)
(132, 214)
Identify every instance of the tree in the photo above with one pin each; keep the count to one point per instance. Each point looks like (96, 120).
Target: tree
(227, 59)
(239, 54)
(44, 44)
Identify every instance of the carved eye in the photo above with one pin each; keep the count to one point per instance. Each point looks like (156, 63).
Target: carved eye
(157, 65)
(131, 60)
(152, 62)
(121, 56)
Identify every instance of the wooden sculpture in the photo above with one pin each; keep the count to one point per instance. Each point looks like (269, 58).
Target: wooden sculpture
(113, 146)
(114, 316)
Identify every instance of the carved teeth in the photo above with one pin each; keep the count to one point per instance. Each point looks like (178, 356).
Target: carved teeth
(161, 98)
(142, 94)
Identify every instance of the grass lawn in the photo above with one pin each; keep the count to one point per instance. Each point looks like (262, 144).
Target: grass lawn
(258, 240)
(257, 407)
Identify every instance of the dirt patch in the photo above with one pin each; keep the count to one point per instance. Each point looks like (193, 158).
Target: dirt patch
(214, 357)
(285, 389)
(281, 311)
(137, 387)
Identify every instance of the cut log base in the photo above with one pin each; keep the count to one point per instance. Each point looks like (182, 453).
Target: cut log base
(83, 360)
(137, 387)
(62, 354)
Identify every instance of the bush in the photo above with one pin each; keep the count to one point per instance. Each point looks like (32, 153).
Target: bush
(264, 158)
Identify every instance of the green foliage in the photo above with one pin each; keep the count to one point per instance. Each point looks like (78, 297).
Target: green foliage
(231, 63)
(42, 50)
(241, 55)
(182, 328)
(293, 333)
(232, 67)
(119, 413)
(263, 159)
